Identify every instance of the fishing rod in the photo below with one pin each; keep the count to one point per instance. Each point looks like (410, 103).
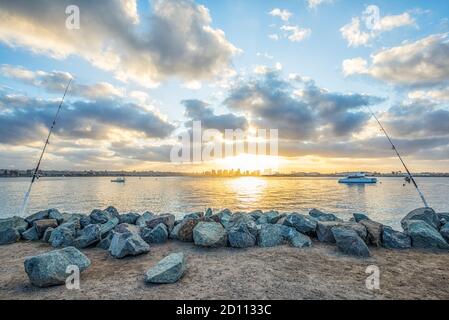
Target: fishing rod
(410, 176)
(36, 170)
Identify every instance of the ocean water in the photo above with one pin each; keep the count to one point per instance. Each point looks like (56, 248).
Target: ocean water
(387, 201)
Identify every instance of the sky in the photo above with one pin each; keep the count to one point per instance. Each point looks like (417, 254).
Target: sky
(144, 71)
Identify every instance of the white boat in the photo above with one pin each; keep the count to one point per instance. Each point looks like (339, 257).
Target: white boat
(119, 180)
(358, 178)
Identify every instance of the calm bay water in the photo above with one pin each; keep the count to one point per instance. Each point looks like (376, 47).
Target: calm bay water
(387, 202)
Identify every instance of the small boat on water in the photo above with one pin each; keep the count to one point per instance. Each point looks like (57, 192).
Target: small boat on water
(358, 178)
(119, 180)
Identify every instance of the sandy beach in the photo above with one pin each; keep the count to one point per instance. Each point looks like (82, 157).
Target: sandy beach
(276, 273)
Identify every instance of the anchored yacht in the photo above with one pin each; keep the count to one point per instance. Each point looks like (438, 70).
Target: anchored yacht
(358, 178)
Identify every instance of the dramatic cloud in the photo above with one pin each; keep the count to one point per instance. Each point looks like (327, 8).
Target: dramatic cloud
(197, 110)
(26, 120)
(56, 82)
(111, 37)
(361, 30)
(421, 63)
(307, 113)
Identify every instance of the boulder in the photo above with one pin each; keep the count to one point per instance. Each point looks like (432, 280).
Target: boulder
(184, 230)
(142, 220)
(129, 218)
(240, 235)
(88, 236)
(208, 213)
(127, 244)
(297, 239)
(107, 227)
(374, 230)
(45, 214)
(50, 268)
(444, 231)
(209, 234)
(158, 234)
(20, 224)
(424, 235)
(195, 215)
(105, 242)
(126, 227)
(100, 216)
(324, 230)
(349, 242)
(168, 219)
(63, 236)
(321, 216)
(113, 212)
(256, 214)
(359, 217)
(47, 234)
(224, 217)
(272, 216)
(444, 217)
(270, 235)
(422, 214)
(85, 221)
(301, 223)
(392, 239)
(31, 234)
(262, 220)
(168, 270)
(42, 225)
(9, 235)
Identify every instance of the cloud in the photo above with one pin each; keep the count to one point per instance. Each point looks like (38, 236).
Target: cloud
(111, 37)
(56, 82)
(441, 95)
(313, 4)
(274, 37)
(420, 63)
(374, 24)
(26, 120)
(295, 33)
(198, 110)
(306, 113)
(284, 15)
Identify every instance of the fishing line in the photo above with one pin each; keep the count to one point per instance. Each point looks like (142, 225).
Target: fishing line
(36, 170)
(410, 176)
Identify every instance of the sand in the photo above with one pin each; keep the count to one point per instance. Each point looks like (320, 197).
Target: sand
(276, 273)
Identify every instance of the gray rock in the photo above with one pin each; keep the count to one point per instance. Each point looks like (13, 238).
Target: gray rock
(50, 268)
(168, 219)
(100, 216)
(349, 242)
(63, 236)
(129, 218)
(14, 222)
(392, 239)
(422, 214)
(224, 217)
(256, 214)
(55, 214)
(324, 230)
(158, 234)
(44, 214)
(9, 235)
(262, 220)
(301, 223)
(88, 236)
(47, 234)
(195, 215)
(424, 235)
(31, 234)
(42, 225)
(374, 230)
(105, 242)
(184, 230)
(126, 227)
(272, 216)
(107, 227)
(209, 234)
(359, 217)
(297, 239)
(208, 213)
(85, 221)
(444, 217)
(241, 235)
(127, 244)
(321, 216)
(444, 231)
(113, 212)
(270, 235)
(168, 270)
(142, 220)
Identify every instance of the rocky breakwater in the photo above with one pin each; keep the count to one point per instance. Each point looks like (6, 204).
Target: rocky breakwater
(131, 234)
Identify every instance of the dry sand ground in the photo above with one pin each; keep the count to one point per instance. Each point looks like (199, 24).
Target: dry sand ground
(258, 273)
